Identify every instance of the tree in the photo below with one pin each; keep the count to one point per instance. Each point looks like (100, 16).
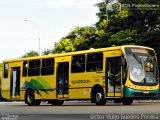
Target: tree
(47, 51)
(85, 38)
(30, 54)
(81, 38)
(129, 25)
(123, 37)
(65, 45)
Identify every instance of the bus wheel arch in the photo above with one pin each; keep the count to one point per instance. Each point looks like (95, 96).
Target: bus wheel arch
(97, 95)
(30, 98)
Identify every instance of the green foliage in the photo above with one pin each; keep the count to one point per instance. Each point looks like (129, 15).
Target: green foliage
(120, 15)
(80, 38)
(65, 45)
(30, 54)
(47, 51)
(123, 37)
(152, 39)
(85, 38)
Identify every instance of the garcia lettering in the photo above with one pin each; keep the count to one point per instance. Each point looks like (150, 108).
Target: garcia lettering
(80, 81)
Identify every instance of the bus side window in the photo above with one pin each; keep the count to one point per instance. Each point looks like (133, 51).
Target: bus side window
(47, 67)
(78, 64)
(5, 70)
(25, 68)
(94, 62)
(34, 68)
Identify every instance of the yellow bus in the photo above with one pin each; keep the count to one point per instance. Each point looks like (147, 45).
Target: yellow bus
(121, 73)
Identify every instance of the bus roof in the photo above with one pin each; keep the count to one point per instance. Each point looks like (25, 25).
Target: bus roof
(74, 53)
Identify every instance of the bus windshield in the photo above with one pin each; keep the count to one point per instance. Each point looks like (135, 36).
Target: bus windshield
(143, 68)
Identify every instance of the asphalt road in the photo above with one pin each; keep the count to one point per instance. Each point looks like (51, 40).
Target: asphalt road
(79, 111)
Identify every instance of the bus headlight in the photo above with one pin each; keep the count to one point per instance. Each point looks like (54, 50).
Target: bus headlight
(157, 87)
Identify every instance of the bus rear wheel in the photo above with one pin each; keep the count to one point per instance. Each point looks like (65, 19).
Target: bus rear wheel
(99, 97)
(30, 99)
(57, 102)
(127, 101)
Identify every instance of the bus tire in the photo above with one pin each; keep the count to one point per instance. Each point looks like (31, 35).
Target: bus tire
(99, 97)
(57, 102)
(127, 101)
(30, 99)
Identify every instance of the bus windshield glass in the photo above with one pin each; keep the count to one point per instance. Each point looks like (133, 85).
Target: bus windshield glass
(143, 68)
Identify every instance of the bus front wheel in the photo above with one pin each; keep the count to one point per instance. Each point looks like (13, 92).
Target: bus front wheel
(99, 97)
(127, 101)
(30, 98)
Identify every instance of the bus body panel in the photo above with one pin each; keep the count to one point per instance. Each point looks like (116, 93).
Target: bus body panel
(45, 86)
(5, 88)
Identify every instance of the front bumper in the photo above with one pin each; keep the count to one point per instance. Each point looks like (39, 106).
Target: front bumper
(128, 92)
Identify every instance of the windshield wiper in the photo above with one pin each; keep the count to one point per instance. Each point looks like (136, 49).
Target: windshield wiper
(138, 59)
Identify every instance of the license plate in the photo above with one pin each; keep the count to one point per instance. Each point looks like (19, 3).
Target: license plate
(146, 92)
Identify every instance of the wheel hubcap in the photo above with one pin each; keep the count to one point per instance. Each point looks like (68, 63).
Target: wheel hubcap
(29, 98)
(98, 96)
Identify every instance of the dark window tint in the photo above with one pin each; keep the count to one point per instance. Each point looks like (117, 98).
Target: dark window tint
(114, 70)
(94, 62)
(25, 68)
(47, 67)
(5, 70)
(78, 63)
(34, 68)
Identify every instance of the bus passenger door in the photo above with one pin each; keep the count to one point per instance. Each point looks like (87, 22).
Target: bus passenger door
(62, 80)
(113, 76)
(15, 83)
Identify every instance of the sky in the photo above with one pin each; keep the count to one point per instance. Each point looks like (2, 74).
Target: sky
(24, 22)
